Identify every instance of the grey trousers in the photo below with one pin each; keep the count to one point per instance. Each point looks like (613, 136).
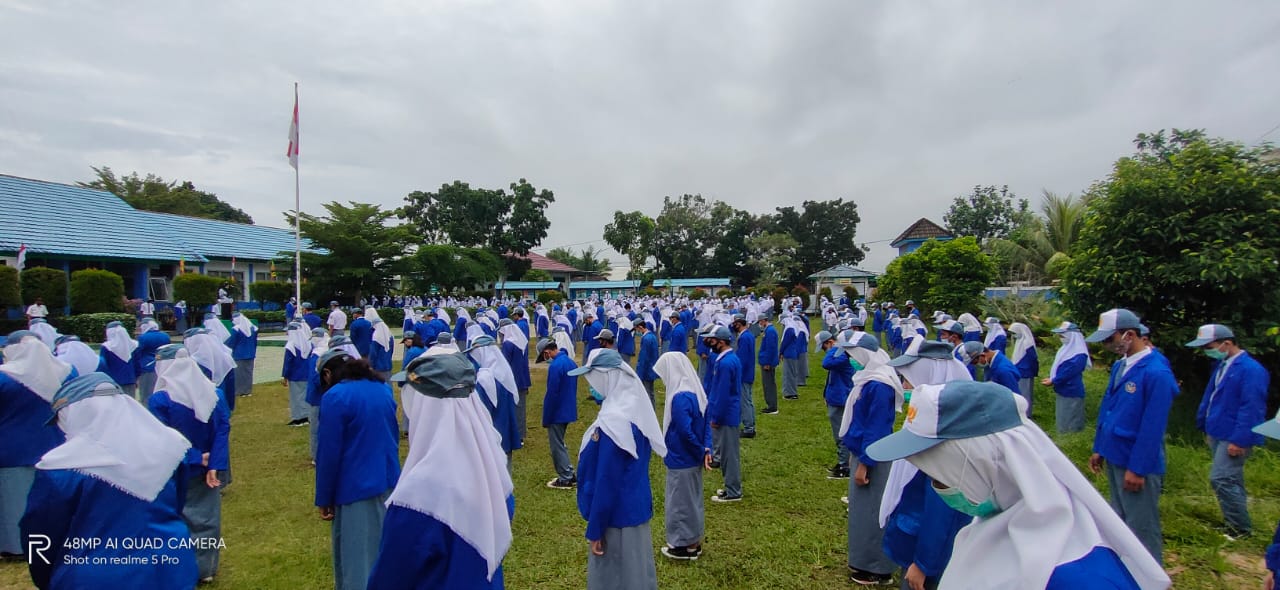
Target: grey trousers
(685, 511)
(648, 388)
(791, 377)
(15, 484)
(802, 364)
(244, 376)
(1069, 415)
(203, 513)
(769, 382)
(1226, 476)
(130, 389)
(1027, 387)
(522, 413)
(728, 449)
(313, 413)
(355, 535)
(146, 386)
(834, 416)
(865, 535)
(298, 400)
(748, 409)
(626, 358)
(559, 453)
(1140, 510)
(627, 563)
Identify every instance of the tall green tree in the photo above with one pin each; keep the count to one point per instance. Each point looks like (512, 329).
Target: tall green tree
(682, 236)
(153, 193)
(448, 267)
(363, 252)
(631, 234)
(988, 212)
(774, 257)
(1041, 251)
(825, 231)
(587, 260)
(731, 252)
(950, 275)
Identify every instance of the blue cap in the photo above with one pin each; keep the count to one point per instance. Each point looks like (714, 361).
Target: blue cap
(409, 335)
(444, 338)
(1109, 322)
(330, 355)
(822, 336)
(959, 409)
(1065, 327)
(970, 351)
(193, 332)
(951, 326)
(439, 375)
(607, 358)
(307, 305)
(317, 332)
(721, 333)
(1210, 333)
(929, 349)
(857, 322)
(485, 340)
(168, 352)
(333, 303)
(862, 340)
(84, 386)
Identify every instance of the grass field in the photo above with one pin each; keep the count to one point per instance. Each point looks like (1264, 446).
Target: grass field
(789, 532)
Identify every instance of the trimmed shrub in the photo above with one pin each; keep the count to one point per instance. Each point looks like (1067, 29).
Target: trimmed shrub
(271, 291)
(199, 291)
(47, 283)
(10, 294)
(851, 292)
(651, 292)
(723, 293)
(825, 292)
(549, 296)
(394, 317)
(96, 291)
(264, 317)
(698, 294)
(778, 294)
(91, 327)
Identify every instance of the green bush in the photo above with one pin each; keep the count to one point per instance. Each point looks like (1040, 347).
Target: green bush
(199, 291)
(825, 292)
(651, 292)
(851, 292)
(1038, 313)
(91, 327)
(778, 294)
(723, 293)
(96, 291)
(394, 317)
(698, 294)
(264, 316)
(10, 294)
(949, 275)
(761, 291)
(47, 283)
(271, 292)
(549, 296)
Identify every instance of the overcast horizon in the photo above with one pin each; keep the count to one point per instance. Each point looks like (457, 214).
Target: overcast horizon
(614, 105)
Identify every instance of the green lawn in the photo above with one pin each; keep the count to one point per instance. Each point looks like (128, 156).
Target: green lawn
(789, 532)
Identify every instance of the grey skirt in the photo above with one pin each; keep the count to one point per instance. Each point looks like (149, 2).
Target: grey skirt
(627, 563)
(244, 376)
(685, 511)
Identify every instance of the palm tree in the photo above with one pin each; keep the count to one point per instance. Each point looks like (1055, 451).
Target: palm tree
(1044, 246)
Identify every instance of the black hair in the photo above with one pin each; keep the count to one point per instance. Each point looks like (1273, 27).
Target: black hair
(347, 369)
(416, 341)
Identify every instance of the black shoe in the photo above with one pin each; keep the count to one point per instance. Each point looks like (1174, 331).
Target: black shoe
(682, 553)
(869, 579)
(748, 434)
(715, 464)
(838, 472)
(771, 411)
(721, 496)
(791, 397)
(562, 484)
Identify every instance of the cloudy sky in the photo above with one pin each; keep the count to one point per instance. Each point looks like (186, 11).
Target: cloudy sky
(900, 106)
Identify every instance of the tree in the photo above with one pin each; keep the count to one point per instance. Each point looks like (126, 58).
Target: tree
(537, 275)
(49, 284)
(588, 260)
(199, 291)
(950, 275)
(153, 193)
(682, 235)
(986, 213)
(10, 294)
(731, 254)
(824, 232)
(631, 234)
(450, 268)
(272, 291)
(1184, 232)
(96, 291)
(1044, 247)
(774, 257)
(362, 251)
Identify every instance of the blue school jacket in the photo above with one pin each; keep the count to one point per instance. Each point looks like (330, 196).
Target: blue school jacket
(648, 356)
(839, 377)
(407, 326)
(122, 371)
(768, 354)
(922, 529)
(297, 368)
(359, 452)
(421, 553)
(1002, 371)
(746, 351)
(65, 505)
(313, 389)
(589, 333)
(688, 437)
(211, 437)
(312, 320)
(243, 347)
(361, 333)
(504, 416)
(613, 486)
(1069, 381)
(409, 354)
(560, 406)
(724, 397)
(1029, 366)
(459, 332)
(22, 421)
(679, 339)
(873, 418)
(975, 336)
(1100, 568)
(503, 311)
(1273, 552)
(379, 357)
(791, 343)
(626, 342)
(1133, 416)
(877, 321)
(1231, 408)
(999, 343)
(145, 354)
(523, 324)
(544, 326)
(519, 362)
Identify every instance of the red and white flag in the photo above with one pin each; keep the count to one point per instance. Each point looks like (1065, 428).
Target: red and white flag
(22, 257)
(292, 154)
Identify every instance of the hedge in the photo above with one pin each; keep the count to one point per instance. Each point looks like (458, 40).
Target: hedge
(271, 291)
(549, 296)
(199, 291)
(724, 293)
(10, 294)
(92, 327)
(96, 291)
(698, 294)
(851, 292)
(49, 284)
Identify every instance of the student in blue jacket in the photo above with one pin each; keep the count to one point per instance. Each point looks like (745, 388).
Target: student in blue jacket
(448, 522)
(997, 368)
(768, 358)
(360, 331)
(150, 339)
(1235, 399)
(590, 329)
(613, 478)
(1025, 359)
(117, 358)
(626, 339)
(679, 335)
(244, 349)
(1066, 376)
(559, 409)
(357, 462)
(185, 400)
(745, 348)
(688, 443)
(836, 392)
(1129, 443)
(920, 533)
(497, 384)
(724, 410)
(381, 346)
(513, 342)
(791, 348)
(648, 356)
(29, 378)
(1038, 523)
(118, 477)
(299, 365)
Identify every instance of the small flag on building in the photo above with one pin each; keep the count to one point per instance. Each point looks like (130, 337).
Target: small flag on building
(22, 257)
(182, 266)
(233, 264)
(292, 152)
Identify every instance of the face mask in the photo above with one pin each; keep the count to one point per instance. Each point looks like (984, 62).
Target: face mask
(1215, 354)
(954, 498)
(596, 395)
(906, 395)
(1119, 345)
(857, 366)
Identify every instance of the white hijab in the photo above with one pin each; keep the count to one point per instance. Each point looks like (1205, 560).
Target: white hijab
(30, 363)
(970, 323)
(563, 341)
(994, 330)
(79, 355)
(440, 313)
(212, 354)
(119, 343)
(874, 368)
(513, 335)
(46, 332)
(243, 325)
(1072, 346)
(186, 385)
(1052, 514)
(456, 471)
(215, 327)
(677, 375)
(489, 357)
(625, 403)
(114, 439)
(1024, 340)
(299, 341)
(381, 331)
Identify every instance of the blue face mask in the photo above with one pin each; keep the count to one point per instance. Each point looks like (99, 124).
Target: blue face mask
(596, 395)
(954, 498)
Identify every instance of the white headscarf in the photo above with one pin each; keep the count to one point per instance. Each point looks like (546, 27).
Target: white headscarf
(994, 330)
(30, 363)
(563, 341)
(677, 375)
(186, 385)
(215, 327)
(211, 354)
(381, 331)
(625, 403)
(463, 314)
(489, 357)
(114, 439)
(119, 343)
(319, 344)
(1052, 514)
(243, 325)
(874, 368)
(970, 323)
(1024, 340)
(1072, 346)
(511, 333)
(147, 325)
(299, 341)
(456, 472)
(442, 314)
(46, 332)
(79, 355)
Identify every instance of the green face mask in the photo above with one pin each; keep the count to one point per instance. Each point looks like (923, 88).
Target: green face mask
(857, 366)
(906, 395)
(1215, 354)
(954, 498)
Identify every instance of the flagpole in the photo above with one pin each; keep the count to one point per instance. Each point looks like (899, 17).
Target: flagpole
(297, 220)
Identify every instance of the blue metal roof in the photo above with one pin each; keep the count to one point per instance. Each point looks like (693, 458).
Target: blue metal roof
(525, 285)
(605, 285)
(224, 239)
(691, 283)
